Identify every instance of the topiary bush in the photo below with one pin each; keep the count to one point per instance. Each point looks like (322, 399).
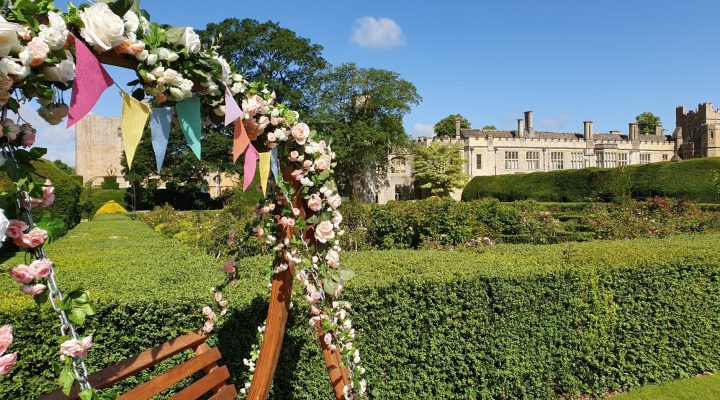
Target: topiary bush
(505, 321)
(694, 179)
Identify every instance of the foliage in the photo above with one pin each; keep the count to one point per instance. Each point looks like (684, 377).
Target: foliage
(520, 321)
(438, 168)
(705, 387)
(111, 207)
(361, 110)
(269, 53)
(93, 198)
(110, 183)
(489, 128)
(446, 126)
(647, 122)
(64, 167)
(689, 179)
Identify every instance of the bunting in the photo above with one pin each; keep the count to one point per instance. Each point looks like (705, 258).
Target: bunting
(232, 110)
(132, 124)
(240, 139)
(251, 157)
(160, 121)
(188, 112)
(91, 80)
(264, 170)
(275, 163)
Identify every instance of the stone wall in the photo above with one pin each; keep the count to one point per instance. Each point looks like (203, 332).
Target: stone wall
(98, 149)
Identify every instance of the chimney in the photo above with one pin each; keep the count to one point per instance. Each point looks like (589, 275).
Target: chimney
(587, 130)
(633, 131)
(521, 128)
(528, 123)
(658, 129)
(457, 127)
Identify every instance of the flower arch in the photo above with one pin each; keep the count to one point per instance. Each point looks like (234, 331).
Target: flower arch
(45, 51)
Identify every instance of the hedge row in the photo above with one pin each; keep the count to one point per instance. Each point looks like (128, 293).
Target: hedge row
(506, 321)
(695, 179)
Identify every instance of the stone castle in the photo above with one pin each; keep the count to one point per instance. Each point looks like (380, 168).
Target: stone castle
(525, 150)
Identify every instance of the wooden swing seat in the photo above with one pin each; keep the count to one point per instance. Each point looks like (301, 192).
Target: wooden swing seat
(205, 360)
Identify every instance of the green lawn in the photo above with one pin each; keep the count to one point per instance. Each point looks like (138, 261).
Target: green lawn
(705, 387)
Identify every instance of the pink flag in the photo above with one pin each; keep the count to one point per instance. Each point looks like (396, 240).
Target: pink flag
(251, 157)
(232, 110)
(91, 80)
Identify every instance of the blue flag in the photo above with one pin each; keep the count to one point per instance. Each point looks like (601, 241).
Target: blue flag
(160, 120)
(189, 115)
(274, 163)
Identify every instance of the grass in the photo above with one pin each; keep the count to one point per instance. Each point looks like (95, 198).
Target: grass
(706, 387)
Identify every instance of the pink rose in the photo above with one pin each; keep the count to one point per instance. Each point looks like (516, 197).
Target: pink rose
(48, 197)
(229, 267)
(76, 348)
(315, 202)
(34, 290)
(294, 155)
(333, 258)
(22, 273)
(6, 338)
(36, 237)
(7, 362)
(334, 201)
(42, 267)
(252, 104)
(324, 231)
(15, 229)
(323, 162)
(28, 139)
(300, 132)
(38, 51)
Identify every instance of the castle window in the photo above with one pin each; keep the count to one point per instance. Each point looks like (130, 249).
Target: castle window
(644, 158)
(665, 157)
(533, 160)
(556, 160)
(600, 160)
(622, 159)
(511, 160)
(478, 161)
(397, 165)
(610, 160)
(577, 161)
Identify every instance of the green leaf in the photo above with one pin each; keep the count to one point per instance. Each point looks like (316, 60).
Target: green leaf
(66, 380)
(120, 7)
(76, 315)
(174, 34)
(330, 286)
(41, 298)
(345, 274)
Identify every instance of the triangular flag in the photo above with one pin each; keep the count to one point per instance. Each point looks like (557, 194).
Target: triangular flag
(251, 157)
(264, 170)
(132, 124)
(232, 109)
(160, 121)
(91, 80)
(240, 140)
(189, 116)
(275, 163)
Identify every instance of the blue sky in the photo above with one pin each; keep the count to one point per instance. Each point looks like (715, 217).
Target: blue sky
(568, 61)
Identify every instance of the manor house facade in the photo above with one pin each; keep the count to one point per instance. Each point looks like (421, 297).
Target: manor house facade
(525, 150)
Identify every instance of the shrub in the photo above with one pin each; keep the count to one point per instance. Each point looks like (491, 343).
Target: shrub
(693, 179)
(506, 321)
(93, 198)
(111, 207)
(110, 183)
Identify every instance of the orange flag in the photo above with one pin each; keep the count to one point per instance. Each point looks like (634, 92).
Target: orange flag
(240, 139)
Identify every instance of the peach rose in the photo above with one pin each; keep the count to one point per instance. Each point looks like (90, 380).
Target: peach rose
(48, 197)
(334, 201)
(7, 362)
(300, 132)
(36, 237)
(28, 139)
(333, 258)
(315, 202)
(324, 231)
(22, 273)
(41, 268)
(34, 290)
(323, 162)
(76, 348)
(38, 50)
(6, 338)
(16, 229)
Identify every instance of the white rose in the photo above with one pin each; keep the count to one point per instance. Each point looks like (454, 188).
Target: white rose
(53, 37)
(143, 55)
(158, 72)
(162, 53)
(190, 40)
(103, 29)
(186, 85)
(324, 231)
(152, 59)
(172, 77)
(4, 223)
(173, 56)
(300, 132)
(57, 22)
(334, 201)
(63, 72)
(177, 93)
(10, 67)
(336, 218)
(333, 260)
(132, 22)
(225, 68)
(9, 36)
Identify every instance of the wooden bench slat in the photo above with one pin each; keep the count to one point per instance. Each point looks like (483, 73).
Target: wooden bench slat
(171, 377)
(225, 393)
(203, 385)
(132, 366)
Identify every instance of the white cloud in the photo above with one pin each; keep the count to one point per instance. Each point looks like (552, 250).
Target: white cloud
(377, 33)
(59, 142)
(423, 130)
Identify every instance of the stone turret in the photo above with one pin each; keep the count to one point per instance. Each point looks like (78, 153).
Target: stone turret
(658, 129)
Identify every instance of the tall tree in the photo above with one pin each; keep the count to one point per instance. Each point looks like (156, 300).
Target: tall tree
(64, 167)
(446, 126)
(439, 168)
(361, 109)
(267, 52)
(647, 122)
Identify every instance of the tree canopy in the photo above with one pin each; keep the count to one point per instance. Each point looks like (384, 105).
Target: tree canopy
(647, 122)
(267, 52)
(489, 128)
(361, 109)
(446, 126)
(439, 168)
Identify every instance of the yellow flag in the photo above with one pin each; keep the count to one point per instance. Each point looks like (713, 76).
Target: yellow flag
(134, 116)
(264, 170)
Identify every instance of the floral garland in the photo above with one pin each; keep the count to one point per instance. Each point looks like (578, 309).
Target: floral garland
(36, 62)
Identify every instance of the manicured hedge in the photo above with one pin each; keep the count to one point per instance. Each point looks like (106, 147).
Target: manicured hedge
(508, 321)
(695, 179)
(67, 192)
